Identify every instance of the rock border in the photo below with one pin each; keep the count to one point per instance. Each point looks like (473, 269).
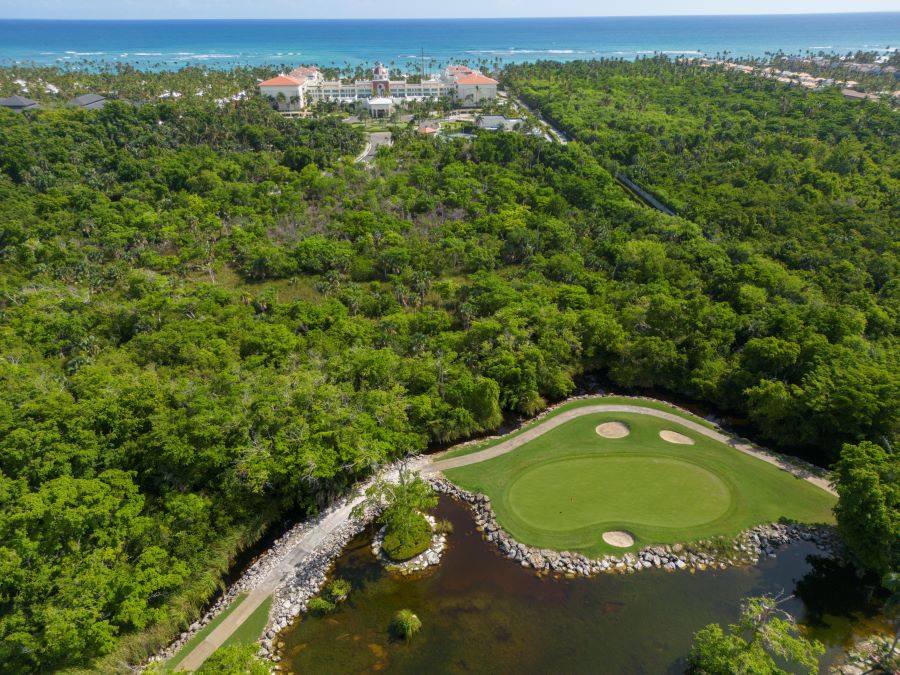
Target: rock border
(748, 548)
(427, 558)
(290, 598)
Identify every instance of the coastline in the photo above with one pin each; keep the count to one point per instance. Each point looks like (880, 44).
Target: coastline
(172, 44)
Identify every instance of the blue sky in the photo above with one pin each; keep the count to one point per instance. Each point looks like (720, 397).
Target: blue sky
(338, 9)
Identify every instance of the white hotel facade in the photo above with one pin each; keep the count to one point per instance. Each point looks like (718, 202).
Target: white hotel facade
(304, 86)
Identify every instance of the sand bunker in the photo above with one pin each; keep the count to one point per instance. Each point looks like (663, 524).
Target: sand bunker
(613, 430)
(618, 538)
(675, 437)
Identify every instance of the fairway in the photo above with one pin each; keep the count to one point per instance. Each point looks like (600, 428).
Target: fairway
(662, 483)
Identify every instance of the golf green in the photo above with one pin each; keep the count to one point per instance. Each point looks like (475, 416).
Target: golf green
(638, 489)
(564, 488)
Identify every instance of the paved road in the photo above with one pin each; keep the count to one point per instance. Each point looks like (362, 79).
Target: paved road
(376, 140)
(303, 548)
(308, 543)
(540, 429)
(552, 132)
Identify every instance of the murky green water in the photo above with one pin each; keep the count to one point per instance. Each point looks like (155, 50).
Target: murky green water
(482, 613)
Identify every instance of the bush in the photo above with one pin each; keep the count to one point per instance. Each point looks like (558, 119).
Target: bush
(444, 527)
(405, 624)
(320, 606)
(403, 544)
(338, 590)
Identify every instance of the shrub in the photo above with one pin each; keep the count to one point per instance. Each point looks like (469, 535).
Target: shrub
(338, 590)
(320, 606)
(409, 541)
(405, 624)
(444, 527)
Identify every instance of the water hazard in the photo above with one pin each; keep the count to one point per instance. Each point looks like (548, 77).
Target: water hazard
(482, 613)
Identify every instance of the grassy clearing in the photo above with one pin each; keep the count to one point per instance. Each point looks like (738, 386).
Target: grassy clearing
(565, 488)
(188, 646)
(599, 400)
(249, 631)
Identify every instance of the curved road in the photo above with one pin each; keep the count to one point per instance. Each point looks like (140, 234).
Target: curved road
(543, 427)
(306, 544)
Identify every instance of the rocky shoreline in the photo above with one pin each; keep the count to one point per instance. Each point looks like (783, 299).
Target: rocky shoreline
(747, 548)
(292, 596)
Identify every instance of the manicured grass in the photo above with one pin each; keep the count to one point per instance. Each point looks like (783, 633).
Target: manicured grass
(250, 631)
(599, 400)
(565, 488)
(188, 646)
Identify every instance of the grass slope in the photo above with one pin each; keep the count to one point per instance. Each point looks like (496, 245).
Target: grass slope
(565, 488)
(250, 631)
(599, 400)
(188, 646)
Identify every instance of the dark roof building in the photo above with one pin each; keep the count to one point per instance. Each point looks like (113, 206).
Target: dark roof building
(18, 103)
(855, 95)
(88, 101)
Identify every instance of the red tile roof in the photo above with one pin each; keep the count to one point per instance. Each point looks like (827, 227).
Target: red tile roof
(281, 81)
(476, 78)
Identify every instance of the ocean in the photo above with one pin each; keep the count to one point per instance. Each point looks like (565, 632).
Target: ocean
(161, 45)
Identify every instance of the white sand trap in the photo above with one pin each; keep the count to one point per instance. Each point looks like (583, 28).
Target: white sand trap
(613, 430)
(618, 538)
(675, 437)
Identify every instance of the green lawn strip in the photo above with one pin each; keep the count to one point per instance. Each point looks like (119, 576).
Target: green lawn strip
(600, 400)
(188, 646)
(547, 494)
(251, 630)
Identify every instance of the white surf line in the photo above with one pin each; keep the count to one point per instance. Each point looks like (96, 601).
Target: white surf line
(542, 428)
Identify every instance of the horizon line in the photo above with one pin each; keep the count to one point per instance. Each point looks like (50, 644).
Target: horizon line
(458, 18)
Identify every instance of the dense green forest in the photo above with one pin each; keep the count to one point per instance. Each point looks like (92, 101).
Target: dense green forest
(210, 317)
(801, 192)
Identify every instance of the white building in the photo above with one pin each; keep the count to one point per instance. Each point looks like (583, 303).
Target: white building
(305, 86)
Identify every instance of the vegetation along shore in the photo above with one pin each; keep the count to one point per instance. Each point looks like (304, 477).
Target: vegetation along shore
(216, 324)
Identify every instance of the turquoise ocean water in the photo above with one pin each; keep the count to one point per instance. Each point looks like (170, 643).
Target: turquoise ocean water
(173, 44)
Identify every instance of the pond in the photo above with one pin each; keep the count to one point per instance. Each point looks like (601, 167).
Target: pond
(483, 613)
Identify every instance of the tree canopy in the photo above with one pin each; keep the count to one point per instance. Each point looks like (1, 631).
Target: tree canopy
(212, 319)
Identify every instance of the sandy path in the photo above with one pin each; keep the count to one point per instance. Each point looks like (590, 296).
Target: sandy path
(308, 543)
(280, 573)
(304, 547)
(542, 428)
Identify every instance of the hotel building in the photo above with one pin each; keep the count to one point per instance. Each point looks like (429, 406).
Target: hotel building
(304, 86)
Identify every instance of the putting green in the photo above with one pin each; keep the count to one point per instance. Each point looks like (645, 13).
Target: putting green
(567, 486)
(640, 489)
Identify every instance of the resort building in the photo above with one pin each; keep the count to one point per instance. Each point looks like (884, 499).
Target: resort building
(18, 103)
(305, 86)
(88, 102)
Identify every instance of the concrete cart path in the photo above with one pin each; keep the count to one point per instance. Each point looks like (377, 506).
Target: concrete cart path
(542, 428)
(307, 543)
(302, 548)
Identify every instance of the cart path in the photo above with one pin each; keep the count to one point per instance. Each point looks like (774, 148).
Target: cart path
(303, 547)
(311, 540)
(543, 427)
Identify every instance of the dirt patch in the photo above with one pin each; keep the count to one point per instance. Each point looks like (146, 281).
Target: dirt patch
(675, 437)
(613, 430)
(618, 538)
